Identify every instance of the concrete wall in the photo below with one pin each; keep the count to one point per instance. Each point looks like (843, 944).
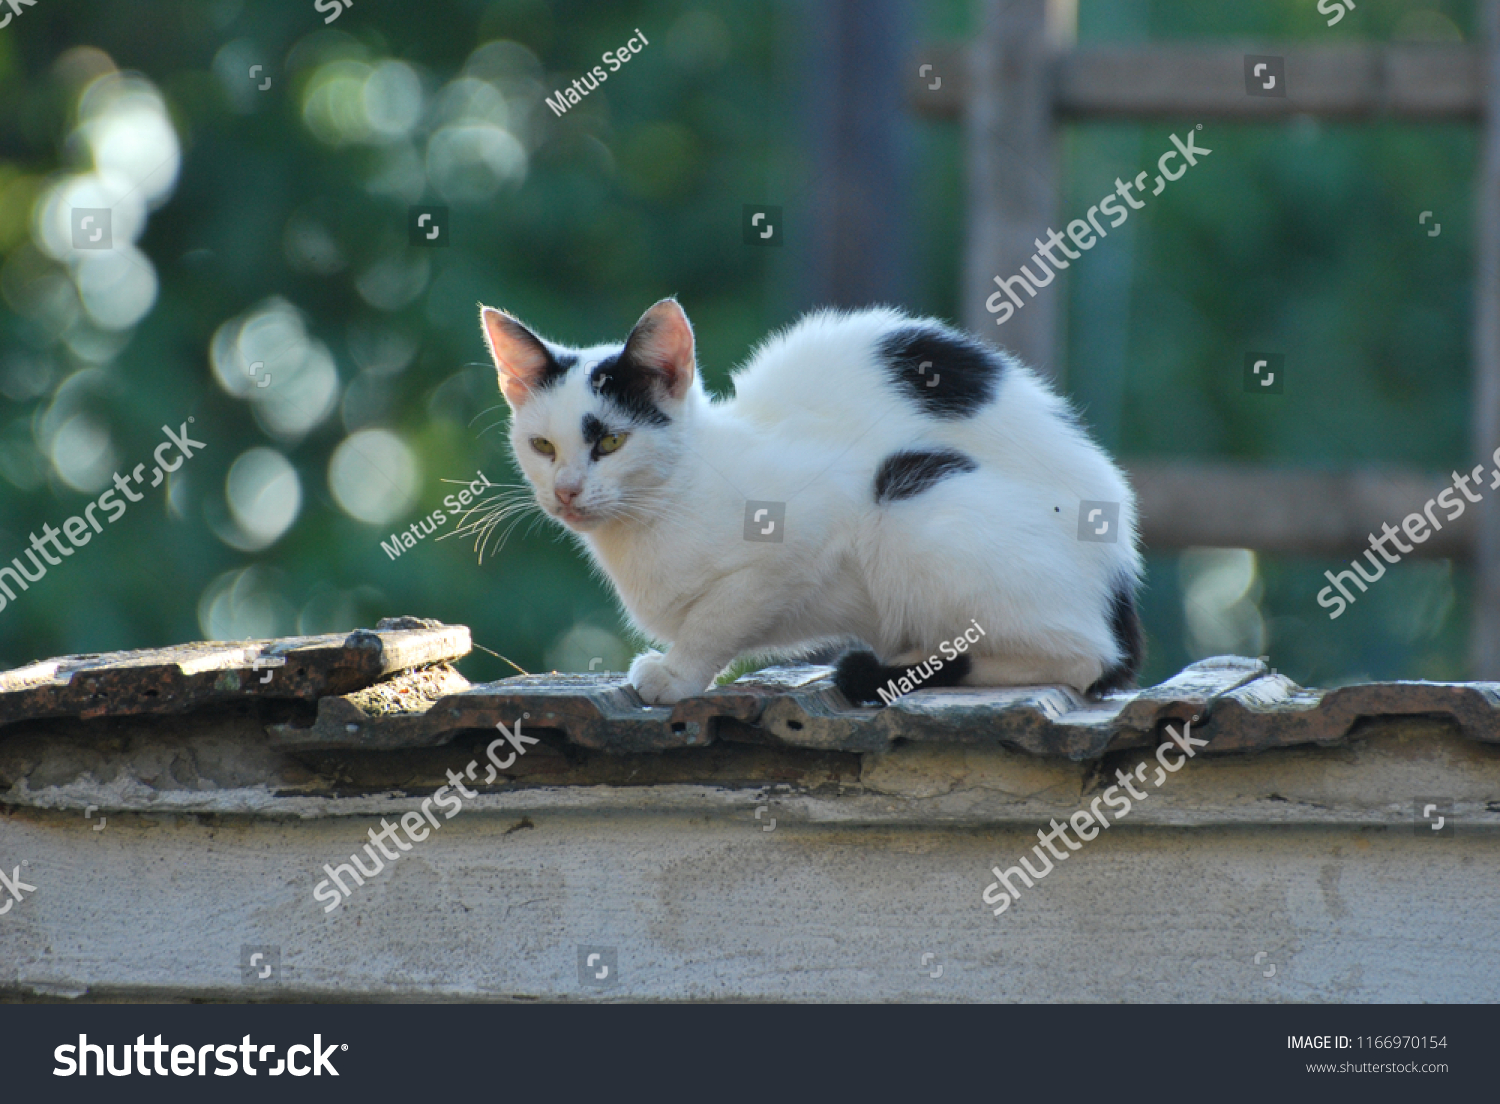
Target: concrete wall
(861, 891)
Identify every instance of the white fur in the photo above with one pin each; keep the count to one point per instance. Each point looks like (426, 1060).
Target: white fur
(813, 415)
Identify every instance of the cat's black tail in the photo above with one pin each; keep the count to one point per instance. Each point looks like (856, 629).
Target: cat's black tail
(1125, 624)
(860, 676)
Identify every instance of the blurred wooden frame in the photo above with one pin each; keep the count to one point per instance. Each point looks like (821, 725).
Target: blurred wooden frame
(1021, 78)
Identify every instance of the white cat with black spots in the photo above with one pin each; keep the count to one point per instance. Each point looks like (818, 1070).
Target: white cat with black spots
(929, 481)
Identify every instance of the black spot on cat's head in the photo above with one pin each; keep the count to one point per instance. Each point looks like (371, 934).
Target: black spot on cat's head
(948, 374)
(629, 387)
(594, 431)
(907, 474)
(555, 368)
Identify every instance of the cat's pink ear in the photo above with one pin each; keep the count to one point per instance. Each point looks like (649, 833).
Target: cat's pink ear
(519, 355)
(662, 344)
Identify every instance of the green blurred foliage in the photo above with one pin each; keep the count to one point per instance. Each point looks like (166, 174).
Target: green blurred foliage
(1300, 238)
(1304, 239)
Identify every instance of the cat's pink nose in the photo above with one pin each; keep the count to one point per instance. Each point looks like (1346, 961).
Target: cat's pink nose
(566, 495)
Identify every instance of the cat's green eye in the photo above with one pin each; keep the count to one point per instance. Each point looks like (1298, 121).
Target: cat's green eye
(610, 443)
(543, 446)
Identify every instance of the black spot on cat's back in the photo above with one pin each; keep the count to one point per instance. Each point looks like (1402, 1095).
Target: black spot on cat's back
(948, 374)
(907, 474)
(628, 387)
(1130, 638)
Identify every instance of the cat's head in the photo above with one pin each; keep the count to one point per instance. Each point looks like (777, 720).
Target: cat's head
(597, 431)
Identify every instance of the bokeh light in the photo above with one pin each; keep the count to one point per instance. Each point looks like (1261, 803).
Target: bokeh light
(374, 476)
(83, 454)
(73, 431)
(267, 357)
(1220, 596)
(245, 605)
(264, 496)
(124, 127)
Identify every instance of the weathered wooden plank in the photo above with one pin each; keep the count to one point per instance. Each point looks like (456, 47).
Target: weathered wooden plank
(1300, 512)
(190, 676)
(1198, 81)
(1012, 178)
(1208, 81)
(853, 242)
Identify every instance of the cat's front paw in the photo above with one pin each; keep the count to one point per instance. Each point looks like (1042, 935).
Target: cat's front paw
(658, 684)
